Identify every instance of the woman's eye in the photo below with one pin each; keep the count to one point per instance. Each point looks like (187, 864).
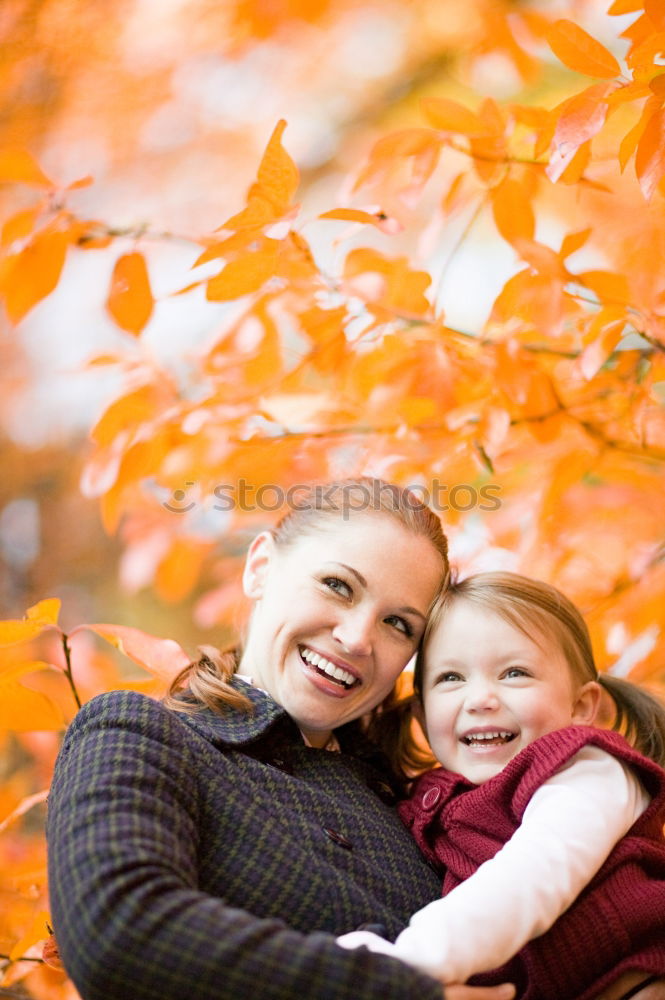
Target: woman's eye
(337, 586)
(401, 624)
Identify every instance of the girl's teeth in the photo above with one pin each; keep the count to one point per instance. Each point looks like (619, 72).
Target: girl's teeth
(499, 734)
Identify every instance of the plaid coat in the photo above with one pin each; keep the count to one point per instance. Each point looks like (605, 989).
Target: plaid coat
(200, 857)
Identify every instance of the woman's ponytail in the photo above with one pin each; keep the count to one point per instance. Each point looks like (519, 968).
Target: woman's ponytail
(640, 716)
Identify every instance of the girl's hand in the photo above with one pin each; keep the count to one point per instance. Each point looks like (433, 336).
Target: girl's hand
(460, 992)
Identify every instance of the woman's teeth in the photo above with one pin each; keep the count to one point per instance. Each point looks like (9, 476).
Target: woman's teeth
(499, 736)
(331, 670)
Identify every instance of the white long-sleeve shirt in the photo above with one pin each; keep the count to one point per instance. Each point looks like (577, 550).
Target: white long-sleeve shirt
(569, 827)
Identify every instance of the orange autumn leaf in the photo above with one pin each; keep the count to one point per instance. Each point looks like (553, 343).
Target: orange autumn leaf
(278, 176)
(378, 219)
(51, 954)
(271, 195)
(23, 710)
(180, 569)
(450, 116)
(130, 301)
(33, 273)
(162, 657)
(650, 154)
(625, 7)
(417, 148)
(512, 211)
(400, 287)
(244, 275)
(572, 242)
(578, 119)
(38, 931)
(578, 50)
(19, 226)
(45, 611)
(39, 617)
(19, 166)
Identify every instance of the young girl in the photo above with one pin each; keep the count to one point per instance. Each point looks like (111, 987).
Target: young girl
(563, 842)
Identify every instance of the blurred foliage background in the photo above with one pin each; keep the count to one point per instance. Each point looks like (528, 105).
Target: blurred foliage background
(495, 318)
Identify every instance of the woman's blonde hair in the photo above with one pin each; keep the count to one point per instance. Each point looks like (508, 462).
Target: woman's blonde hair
(208, 679)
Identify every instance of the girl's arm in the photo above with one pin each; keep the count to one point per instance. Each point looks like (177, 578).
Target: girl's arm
(568, 830)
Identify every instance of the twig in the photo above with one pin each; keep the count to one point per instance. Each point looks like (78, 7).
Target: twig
(68, 670)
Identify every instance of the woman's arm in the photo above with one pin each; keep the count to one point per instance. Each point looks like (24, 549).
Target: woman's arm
(569, 828)
(129, 917)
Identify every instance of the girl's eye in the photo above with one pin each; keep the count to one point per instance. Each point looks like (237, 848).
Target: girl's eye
(401, 624)
(338, 586)
(516, 672)
(449, 677)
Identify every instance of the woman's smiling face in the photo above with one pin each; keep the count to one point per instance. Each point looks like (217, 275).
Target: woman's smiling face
(338, 613)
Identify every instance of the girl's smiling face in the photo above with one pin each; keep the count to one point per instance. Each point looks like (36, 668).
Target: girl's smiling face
(489, 690)
(337, 615)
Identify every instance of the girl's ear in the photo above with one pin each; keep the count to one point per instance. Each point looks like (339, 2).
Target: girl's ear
(257, 564)
(587, 703)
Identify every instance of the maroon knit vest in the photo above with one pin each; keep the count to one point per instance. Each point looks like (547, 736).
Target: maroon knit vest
(617, 923)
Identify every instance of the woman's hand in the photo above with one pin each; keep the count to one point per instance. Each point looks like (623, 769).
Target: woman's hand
(460, 992)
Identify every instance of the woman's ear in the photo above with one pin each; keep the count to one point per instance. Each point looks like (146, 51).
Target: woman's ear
(587, 703)
(257, 564)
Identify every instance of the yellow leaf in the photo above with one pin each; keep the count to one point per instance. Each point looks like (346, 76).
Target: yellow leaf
(379, 219)
(625, 6)
(33, 273)
(14, 630)
(449, 116)
(278, 175)
(18, 166)
(130, 300)
(23, 710)
(579, 51)
(38, 932)
(125, 413)
(650, 154)
(19, 226)
(46, 611)
(163, 657)
(512, 211)
(179, 570)
(12, 670)
(577, 120)
(248, 273)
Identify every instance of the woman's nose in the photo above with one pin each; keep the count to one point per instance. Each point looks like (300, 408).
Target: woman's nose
(354, 631)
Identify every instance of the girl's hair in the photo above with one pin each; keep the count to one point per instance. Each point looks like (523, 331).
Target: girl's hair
(541, 612)
(208, 679)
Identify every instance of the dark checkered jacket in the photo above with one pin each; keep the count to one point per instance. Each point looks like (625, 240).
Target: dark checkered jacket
(211, 857)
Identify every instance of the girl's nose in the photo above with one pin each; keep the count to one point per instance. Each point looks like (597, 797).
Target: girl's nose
(354, 632)
(481, 697)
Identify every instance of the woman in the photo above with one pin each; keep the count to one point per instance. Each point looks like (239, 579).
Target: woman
(200, 848)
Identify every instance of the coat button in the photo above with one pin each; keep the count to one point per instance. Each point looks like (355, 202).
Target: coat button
(431, 797)
(338, 838)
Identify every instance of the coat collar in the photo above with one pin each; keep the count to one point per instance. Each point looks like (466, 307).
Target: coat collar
(236, 727)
